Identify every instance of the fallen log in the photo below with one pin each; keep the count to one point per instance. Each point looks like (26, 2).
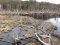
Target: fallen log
(55, 35)
(44, 37)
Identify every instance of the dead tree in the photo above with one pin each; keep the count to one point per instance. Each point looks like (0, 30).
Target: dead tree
(46, 29)
(16, 39)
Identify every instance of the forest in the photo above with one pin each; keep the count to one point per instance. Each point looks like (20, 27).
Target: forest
(28, 5)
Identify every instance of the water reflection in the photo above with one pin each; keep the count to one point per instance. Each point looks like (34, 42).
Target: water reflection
(55, 21)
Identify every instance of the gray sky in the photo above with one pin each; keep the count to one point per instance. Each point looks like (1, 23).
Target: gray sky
(51, 1)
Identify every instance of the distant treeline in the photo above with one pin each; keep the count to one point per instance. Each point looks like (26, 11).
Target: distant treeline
(28, 5)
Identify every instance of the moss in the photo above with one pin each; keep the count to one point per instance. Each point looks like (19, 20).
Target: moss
(59, 39)
(34, 42)
(31, 43)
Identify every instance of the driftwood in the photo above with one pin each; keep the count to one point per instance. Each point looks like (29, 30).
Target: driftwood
(46, 27)
(55, 35)
(43, 34)
(16, 39)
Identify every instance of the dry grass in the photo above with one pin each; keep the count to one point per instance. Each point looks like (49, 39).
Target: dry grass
(1, 37)
(7, 21)
(28, 35)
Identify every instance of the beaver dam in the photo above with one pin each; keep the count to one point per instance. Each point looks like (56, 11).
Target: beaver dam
(25, 30)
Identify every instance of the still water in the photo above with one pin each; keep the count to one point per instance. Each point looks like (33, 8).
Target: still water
(8, 36)
(56, 22)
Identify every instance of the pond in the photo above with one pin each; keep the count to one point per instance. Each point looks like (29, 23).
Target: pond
(8, 36)
(56, 22)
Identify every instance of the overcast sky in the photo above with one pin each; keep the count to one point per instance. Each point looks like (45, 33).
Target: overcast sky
(51, 1)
